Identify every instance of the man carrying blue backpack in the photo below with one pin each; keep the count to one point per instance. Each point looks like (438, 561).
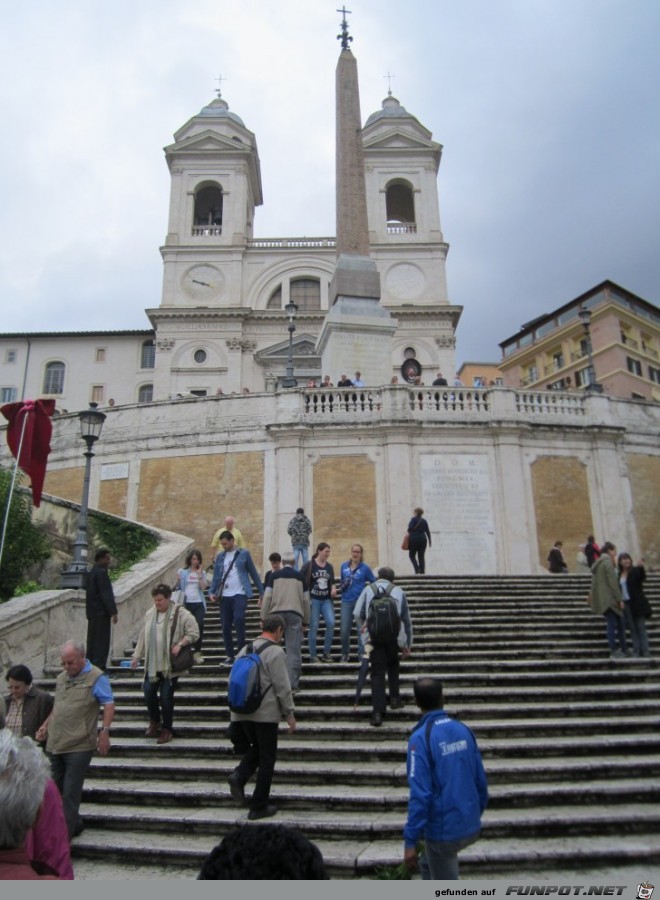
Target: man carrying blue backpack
(260, 696)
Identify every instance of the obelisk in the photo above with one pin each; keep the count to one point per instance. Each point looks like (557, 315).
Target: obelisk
(357, 331)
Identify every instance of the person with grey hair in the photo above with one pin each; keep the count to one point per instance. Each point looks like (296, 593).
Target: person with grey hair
(23, 777)
(72, 728)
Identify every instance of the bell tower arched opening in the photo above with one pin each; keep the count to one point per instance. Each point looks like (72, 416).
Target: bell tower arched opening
(208, 209)
(400, 206)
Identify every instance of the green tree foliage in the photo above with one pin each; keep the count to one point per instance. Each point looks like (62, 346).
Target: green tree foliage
(25, 544)
(128, 543)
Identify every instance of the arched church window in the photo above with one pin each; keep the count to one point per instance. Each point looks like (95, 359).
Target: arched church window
(146, 393)
(54, 378)
(148, 357)
(306, 293)
(400, 206)
(275, 301)
(208, 209)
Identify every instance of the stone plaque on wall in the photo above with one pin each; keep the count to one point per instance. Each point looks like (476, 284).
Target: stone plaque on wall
(458, 505)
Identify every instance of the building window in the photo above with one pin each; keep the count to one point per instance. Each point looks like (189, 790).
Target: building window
(306, 293)
(10, 356)
(100, 355)
(532, 373)
(54, 378)
(558, 359)
(634, 365)
(8, 394)
(584, 377)
(98, 393)
(148, 360)
(199, 356)
(635, 396)
(654, 374)
(400, 206)
(146, 393)
(275, 301)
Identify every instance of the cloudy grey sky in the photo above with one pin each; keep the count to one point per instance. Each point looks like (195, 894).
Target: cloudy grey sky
(548, 111)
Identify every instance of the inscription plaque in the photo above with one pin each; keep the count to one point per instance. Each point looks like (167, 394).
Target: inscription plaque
(458, 504)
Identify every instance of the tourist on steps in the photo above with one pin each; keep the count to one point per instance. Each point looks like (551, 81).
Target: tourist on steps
(167, 629)
(419, 535)
(448, 788)
(606, 600)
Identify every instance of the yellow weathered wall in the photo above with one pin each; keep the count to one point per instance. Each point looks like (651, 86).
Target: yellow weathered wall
(113, 496)
(645, 483)
(191, 495)
(561, 505)
(65, 483)
(345, 506)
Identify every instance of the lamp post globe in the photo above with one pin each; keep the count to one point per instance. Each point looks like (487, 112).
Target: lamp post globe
(75, 575)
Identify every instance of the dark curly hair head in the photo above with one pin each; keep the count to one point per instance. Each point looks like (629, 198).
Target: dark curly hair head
(264, 853)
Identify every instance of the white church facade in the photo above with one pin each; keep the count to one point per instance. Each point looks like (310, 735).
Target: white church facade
(501, 472)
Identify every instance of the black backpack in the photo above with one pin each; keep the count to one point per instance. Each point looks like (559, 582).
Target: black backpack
(383, 619)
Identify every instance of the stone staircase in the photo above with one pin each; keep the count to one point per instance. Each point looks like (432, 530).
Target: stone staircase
(570, 741)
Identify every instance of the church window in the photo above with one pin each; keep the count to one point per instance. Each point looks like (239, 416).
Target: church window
(400, 207)
(146, 393)
(199, 356)
(148, 360)
(54, 378)
(306, 293)
(275, 301)
(97, 393)
(208, 210)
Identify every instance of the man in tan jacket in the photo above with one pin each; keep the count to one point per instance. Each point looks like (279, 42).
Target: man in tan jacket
(260, 727)
(288, 597)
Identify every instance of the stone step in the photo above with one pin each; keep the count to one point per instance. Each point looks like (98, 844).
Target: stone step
(500, 771)
(357, 795)
(364, 853)
(390, 743)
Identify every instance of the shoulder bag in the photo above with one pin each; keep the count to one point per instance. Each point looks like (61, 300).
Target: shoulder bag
(184, 658)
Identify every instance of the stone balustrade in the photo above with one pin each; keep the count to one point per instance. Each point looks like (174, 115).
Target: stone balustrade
(292, 243)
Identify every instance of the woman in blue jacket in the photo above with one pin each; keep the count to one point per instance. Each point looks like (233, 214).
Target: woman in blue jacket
(354, 575)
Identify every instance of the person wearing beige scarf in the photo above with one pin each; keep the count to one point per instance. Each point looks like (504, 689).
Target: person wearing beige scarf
(159, 640)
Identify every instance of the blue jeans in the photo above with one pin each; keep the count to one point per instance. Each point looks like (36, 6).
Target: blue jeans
(345, 625)
(165, 687)
(321, 608)
(232, 612)
(638, 633)
(301, 550)
(616, 631)
(439, 861)
(293, 634)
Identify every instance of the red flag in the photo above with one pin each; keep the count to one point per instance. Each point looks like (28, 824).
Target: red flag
(36, 438)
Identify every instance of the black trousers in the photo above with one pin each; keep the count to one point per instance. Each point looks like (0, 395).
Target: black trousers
(384, 658)
(416, 551)
(260, 757)
(98, 641)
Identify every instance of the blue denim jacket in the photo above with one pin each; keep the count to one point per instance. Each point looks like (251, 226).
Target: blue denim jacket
(245, 568)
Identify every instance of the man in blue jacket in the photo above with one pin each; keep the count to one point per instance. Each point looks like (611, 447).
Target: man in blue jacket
(231, 585)
(448, 788)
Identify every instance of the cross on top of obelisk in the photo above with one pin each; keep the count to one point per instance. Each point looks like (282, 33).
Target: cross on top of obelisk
(344, 37)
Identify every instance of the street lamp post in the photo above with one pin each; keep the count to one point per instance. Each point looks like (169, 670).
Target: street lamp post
(91, 423)
(593, 386)
(289, 381)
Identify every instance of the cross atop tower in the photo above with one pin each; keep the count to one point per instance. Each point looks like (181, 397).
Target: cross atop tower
(344, 37)
(220, 79)
(389, 83)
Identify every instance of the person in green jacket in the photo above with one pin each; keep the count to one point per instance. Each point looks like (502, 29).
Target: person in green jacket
(606, 599)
